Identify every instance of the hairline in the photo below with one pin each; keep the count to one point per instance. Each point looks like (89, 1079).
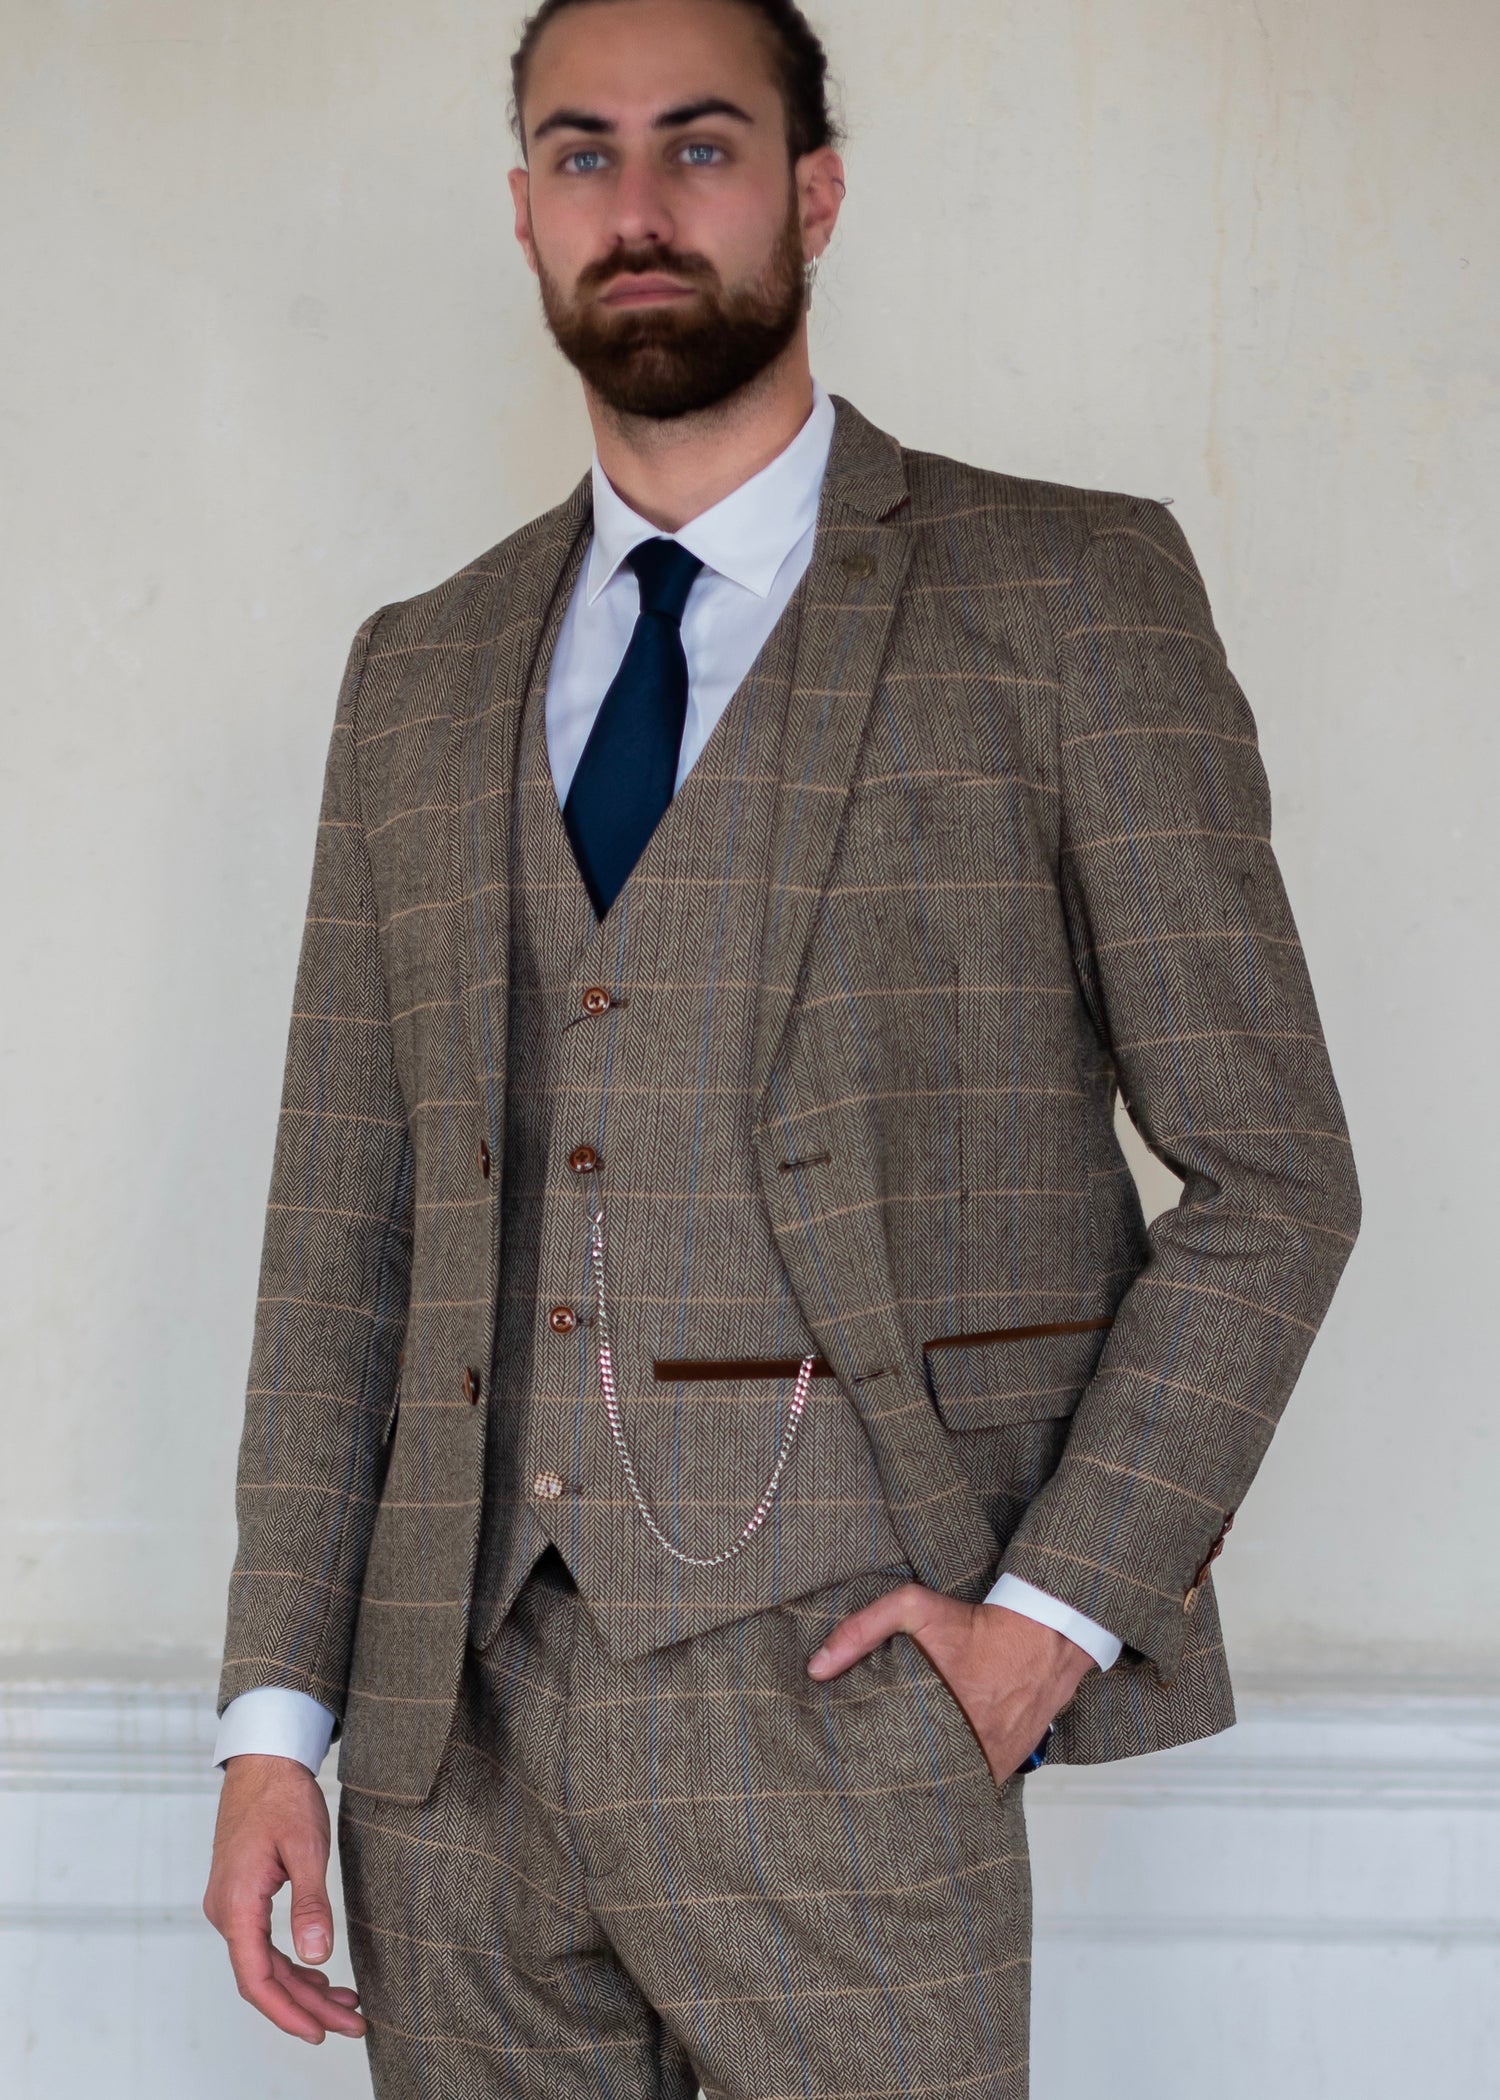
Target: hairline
(771, 49)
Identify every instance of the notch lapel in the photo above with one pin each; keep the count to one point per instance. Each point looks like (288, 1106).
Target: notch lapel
(824, 1207)
(485, 738)
(853, 585)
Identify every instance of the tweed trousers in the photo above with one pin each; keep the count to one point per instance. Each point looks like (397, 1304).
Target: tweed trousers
(695, 1868)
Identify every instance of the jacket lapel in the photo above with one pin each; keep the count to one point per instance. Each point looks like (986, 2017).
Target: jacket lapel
(849, 597)
(824, 1205)
(485, 737)
(860, 555)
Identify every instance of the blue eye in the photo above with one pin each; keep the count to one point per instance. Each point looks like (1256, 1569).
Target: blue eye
(702, 146)
(583, 153)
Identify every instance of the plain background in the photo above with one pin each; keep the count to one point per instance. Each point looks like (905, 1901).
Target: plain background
(271, 359)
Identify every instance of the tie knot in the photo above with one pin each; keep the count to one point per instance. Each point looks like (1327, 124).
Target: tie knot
(665, 571)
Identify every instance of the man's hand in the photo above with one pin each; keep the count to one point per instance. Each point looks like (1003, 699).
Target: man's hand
(273, 1828)
(1011, 1676)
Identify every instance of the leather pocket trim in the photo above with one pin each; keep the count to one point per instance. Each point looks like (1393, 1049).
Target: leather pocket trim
(1013, 1375)
(682, 1369)
(1020, 1334)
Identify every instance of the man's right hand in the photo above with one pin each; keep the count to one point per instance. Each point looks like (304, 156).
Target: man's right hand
(273, 1828)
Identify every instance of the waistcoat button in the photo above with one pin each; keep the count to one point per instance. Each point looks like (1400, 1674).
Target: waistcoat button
(548, 1485)
(562, 1319)
(596, 1000)
(471, 1387)
(583, 1159)
(484, 1159)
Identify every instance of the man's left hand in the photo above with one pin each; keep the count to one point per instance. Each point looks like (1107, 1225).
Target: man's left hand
(1010, 1675)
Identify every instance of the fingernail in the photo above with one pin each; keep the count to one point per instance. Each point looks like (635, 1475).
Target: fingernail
(818, 1662)
(314, 1946)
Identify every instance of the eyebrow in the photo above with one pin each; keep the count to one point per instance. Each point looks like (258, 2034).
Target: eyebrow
(670, 119)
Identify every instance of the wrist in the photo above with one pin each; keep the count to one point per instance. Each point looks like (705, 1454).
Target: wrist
(264, 1766)
(1055, 1658)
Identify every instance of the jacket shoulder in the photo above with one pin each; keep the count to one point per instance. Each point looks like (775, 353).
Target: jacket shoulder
(1046, 525)
(455, 615)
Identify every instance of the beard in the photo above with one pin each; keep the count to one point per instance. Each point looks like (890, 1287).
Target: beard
(665, 362)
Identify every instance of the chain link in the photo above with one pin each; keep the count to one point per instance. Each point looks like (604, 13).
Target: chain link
(611, 1406)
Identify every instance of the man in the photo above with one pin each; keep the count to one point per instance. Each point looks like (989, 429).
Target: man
(715, 1404)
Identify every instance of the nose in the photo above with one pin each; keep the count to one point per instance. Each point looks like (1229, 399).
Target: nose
(641, 210)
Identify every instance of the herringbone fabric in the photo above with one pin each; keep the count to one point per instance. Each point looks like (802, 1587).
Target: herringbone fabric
(657, 1085)
(1020, 854)
(694, 1867)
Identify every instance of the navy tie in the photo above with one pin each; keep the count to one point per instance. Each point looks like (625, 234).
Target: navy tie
(628, 768)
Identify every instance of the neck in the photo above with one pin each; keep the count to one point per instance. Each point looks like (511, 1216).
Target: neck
(671, 471)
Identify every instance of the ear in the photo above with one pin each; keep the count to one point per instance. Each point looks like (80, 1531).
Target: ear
(520, 192)
(820, 197)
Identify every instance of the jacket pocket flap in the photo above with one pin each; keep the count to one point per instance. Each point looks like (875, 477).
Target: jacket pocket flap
(1014, 1375)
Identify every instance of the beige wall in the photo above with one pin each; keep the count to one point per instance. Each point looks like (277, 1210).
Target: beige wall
(272, 359)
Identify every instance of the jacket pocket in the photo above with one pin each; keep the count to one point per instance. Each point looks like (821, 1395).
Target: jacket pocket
(1019, 1374)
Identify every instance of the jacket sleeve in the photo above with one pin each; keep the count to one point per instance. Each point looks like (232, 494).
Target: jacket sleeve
(334, 1279)
(1189, 962)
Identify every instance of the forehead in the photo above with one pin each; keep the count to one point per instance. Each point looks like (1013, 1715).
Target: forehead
(628, 60)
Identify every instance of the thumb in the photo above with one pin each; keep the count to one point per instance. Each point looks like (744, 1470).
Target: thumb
(863, 1631)
(312, 1914)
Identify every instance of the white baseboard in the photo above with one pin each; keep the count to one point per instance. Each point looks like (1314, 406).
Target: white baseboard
(1308, 1906)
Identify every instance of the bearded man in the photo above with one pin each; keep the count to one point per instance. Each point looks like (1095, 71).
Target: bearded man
(717, 1413)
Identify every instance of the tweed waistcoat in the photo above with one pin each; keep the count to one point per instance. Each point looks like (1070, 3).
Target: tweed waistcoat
(657, 1085)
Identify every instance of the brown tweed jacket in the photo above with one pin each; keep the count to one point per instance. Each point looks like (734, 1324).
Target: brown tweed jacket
(1078, 829)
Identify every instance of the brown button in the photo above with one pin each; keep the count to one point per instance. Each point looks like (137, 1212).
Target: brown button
(1213, 1553)
(484, 1159)
(596, 1000)
(471, 1387)
(583, 1159)
(859, 564)
(562, 1319)
(1190, 1601)
(548, 1485)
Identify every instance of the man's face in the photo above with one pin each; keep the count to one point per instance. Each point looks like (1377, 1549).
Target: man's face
(659, 208)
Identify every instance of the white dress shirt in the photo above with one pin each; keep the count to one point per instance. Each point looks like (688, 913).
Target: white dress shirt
(755, 545)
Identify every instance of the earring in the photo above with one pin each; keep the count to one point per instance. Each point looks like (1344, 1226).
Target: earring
(810, 273)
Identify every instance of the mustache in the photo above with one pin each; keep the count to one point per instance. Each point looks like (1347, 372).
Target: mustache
(640, 264)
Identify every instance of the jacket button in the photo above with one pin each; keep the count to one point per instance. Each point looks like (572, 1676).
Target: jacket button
(548, 1485)
(1190, 1601)
(596, 1000)
(562, 1319)
(583, 1159)
(471, 1387)
(484, 1159)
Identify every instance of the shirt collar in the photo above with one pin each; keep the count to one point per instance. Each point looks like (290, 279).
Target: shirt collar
(748, 534)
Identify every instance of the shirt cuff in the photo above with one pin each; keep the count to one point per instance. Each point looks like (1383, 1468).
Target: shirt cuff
(1032, 1603)
(275, 1721)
